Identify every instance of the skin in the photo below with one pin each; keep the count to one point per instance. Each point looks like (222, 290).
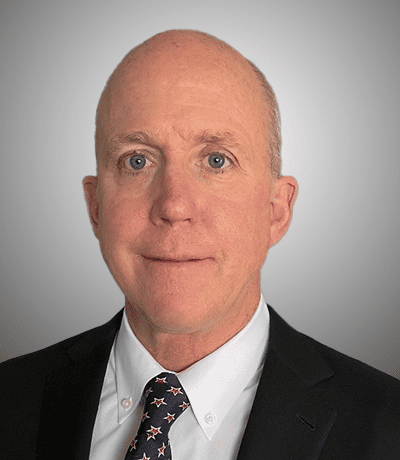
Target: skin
(179, 207)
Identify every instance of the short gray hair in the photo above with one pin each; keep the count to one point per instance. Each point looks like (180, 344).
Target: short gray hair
(274, 123)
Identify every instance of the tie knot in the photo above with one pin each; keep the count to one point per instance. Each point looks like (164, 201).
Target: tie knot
(164, 393)
(165, 401)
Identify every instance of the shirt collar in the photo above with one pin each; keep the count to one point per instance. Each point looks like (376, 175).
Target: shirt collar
(134, 367)
(212, 384)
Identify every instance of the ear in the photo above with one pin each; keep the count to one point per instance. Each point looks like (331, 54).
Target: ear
(285, 192)
(90, 186)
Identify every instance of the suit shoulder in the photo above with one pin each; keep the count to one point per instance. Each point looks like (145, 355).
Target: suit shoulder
(28, 383)
(354, 370)
(361, 392)
(43, 361)
(315, 362)
(35, 360)
(367, 402)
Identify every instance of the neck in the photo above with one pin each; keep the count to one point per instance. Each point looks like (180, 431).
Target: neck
(178, 351)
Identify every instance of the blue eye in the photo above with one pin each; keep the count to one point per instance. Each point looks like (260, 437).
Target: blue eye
(137, 161)
(216, 160)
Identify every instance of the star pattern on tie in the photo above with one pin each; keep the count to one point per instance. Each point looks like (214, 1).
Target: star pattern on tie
(152, 432)
(169, 417)
(175, 391)
(161, 450)
(158, 402)
(165, 401)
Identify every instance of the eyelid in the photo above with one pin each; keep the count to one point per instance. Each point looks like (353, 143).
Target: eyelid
(222, 154)
(123, 159)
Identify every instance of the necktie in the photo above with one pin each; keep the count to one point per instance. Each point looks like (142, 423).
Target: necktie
(165, 402)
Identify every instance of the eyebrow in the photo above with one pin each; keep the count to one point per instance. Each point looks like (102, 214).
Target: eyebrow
(220, 137)
(145, 138)
(118, 142)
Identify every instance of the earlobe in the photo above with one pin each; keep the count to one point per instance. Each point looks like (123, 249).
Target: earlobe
(90, 187)
(285, 193)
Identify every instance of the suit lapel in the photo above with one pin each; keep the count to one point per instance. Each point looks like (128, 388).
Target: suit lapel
(288, 420)
(72, 394)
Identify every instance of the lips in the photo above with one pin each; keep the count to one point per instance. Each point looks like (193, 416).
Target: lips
(175, 260)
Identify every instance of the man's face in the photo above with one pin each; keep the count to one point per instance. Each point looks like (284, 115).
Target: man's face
(183, 215)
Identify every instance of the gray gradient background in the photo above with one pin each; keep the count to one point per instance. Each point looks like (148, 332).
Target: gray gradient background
(334, 66)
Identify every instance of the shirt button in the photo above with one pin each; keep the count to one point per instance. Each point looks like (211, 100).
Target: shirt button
(126, 403)
(210, 418)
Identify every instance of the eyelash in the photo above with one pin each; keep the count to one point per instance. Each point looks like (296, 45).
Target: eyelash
(222, 170)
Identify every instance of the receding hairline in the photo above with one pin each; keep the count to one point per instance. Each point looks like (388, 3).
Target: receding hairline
(186, 37)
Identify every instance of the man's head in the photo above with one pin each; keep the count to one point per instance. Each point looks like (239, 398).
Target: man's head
(182, 204)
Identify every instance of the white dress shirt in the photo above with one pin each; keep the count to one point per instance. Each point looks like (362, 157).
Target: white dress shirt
(220, 387)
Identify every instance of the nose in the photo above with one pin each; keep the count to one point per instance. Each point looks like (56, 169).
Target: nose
(175, 197)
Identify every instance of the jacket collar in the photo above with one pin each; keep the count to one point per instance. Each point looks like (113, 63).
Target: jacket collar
(72, 394)
(289, 418)
(297, 351)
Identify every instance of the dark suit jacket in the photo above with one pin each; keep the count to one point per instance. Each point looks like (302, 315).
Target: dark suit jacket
(312, 402)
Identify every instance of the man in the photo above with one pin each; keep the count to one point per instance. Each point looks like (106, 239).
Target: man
(187, 201)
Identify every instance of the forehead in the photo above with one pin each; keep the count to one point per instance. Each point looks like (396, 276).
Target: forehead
(189, 91)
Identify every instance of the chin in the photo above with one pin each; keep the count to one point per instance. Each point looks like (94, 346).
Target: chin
(176, 314)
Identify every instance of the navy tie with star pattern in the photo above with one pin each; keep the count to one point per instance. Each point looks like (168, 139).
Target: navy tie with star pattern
(165, 402)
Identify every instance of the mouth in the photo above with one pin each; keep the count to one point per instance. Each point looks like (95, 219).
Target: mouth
(174, 261)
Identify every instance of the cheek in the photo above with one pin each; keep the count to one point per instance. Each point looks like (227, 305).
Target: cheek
(121, 220)
(244, 225)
